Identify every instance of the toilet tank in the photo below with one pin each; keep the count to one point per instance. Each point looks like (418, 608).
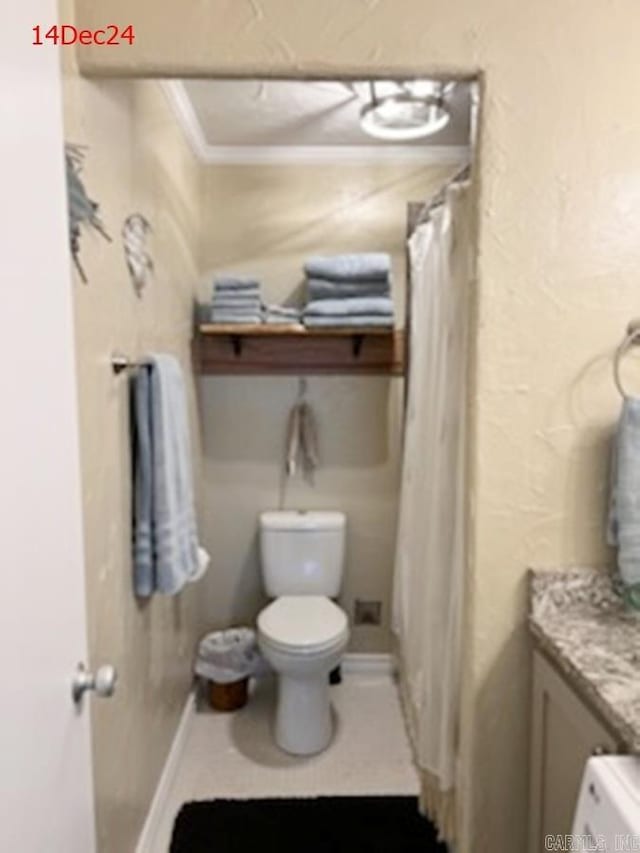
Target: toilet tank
(302, 553)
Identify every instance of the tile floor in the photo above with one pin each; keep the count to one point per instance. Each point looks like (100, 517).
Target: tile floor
(234, 756)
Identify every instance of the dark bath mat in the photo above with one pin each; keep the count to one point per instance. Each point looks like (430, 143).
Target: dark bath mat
(322, 825)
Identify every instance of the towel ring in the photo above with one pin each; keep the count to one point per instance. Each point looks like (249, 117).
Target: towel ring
(632, 338)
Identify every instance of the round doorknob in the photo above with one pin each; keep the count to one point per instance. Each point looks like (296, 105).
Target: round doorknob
(103, 682)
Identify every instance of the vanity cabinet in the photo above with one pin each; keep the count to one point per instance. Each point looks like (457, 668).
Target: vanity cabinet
(564, 734)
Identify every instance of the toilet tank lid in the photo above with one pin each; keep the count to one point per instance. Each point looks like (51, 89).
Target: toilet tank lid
(302, 520)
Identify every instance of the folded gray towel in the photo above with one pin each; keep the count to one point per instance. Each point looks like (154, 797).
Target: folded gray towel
(251, 303)
(241, 316)
(352, 306)
(624, 509)
(284, 311)
(239, 312)
(279, 320)
(249, 306)
(320, 288)
(234, 317)
(364, 266)
(349, 321)
(225, 283)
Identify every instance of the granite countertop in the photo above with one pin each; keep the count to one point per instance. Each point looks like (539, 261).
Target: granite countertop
(579, 620)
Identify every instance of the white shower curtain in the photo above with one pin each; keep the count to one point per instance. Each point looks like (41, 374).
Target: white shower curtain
(430, 551)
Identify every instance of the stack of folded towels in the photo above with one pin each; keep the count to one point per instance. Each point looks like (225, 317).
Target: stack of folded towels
(349, 291)
(236, 299)
(280, 315)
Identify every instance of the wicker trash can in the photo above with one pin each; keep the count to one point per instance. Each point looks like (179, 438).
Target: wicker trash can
(226, 660)
(229, 697)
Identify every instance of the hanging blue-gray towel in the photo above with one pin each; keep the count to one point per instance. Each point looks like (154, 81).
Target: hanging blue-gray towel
(349, 307)
(144, 568)
(363, 266)
(320, 288)
(624, 509)
(166, 554)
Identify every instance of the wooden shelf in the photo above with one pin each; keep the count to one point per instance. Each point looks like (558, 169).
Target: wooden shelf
(293, 349)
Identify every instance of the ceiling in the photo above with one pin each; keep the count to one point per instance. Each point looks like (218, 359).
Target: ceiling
(285, 113)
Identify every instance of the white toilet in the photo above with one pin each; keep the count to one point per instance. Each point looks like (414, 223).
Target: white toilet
(302, 634)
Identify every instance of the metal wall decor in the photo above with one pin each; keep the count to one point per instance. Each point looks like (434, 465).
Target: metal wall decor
(134, 239)
(82, 210)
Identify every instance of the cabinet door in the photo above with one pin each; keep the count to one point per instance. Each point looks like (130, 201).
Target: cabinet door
(564, 734)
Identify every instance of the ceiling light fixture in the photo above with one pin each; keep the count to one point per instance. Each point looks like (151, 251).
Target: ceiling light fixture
(413, 111)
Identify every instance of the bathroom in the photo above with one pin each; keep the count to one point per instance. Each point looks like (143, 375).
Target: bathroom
(251, 209)
(552, 250)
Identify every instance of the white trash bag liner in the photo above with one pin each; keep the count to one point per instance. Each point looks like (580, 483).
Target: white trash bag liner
(227, 656)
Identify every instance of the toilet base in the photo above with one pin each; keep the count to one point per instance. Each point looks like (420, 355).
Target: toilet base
(303, 724)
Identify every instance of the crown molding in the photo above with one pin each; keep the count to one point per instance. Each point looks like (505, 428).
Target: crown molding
(186, 116)
(317, 154)
(246, 155)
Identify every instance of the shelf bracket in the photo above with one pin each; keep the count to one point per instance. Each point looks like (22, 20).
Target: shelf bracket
(356, 345)
(236, 343)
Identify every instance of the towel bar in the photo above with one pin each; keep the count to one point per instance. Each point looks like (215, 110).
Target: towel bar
(121, 362)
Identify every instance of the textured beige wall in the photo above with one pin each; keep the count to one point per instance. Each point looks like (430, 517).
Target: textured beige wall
(137, 160)
(558, 279)
(244, 423)
(267, 220)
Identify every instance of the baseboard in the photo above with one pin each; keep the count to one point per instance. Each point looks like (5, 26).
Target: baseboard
(158, 803)
(358, 663)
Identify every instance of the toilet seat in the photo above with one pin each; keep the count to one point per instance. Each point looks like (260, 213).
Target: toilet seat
(303, 623)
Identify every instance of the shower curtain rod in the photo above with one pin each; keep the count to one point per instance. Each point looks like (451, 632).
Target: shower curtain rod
(438, 199)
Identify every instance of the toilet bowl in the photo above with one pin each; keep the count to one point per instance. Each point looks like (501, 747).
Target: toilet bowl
(302, 633)
(303, 637)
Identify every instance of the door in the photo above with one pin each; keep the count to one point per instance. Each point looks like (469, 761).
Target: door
(46, 797)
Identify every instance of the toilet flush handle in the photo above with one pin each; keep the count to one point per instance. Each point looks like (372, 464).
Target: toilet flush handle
(103, 683)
